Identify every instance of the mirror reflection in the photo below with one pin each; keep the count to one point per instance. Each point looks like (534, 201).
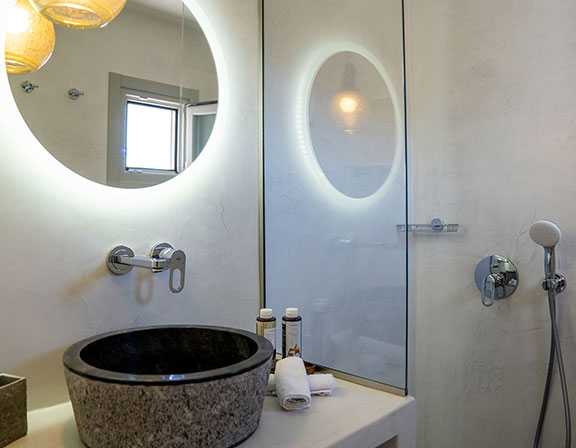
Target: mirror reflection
(352, 124)
(128, 105)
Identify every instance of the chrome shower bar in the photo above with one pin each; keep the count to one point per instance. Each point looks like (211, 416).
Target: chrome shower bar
(435, 226)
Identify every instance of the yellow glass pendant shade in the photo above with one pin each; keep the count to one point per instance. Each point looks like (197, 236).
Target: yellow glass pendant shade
(29, 39)
(80, 13)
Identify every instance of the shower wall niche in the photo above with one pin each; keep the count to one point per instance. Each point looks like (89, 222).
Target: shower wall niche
(335, 181)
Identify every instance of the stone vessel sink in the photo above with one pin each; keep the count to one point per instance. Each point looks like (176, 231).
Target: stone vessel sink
(168, 386)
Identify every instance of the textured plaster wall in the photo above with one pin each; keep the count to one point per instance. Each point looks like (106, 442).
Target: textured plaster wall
(493, 104)
(57, 227)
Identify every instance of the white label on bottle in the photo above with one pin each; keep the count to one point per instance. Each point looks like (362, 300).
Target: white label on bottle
(270, 334)
(293, 338)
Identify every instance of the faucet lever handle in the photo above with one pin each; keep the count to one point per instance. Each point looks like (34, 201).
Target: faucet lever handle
(490, 293)
(177, 269)
(175, 261)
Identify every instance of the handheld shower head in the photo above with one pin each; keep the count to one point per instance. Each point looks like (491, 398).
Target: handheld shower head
(545, 233)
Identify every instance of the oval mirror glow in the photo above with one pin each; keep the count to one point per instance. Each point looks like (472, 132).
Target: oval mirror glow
(129, 105)
(352, 125)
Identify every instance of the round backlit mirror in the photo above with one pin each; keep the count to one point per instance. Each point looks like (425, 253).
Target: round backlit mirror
(128, 105)
(352, 124)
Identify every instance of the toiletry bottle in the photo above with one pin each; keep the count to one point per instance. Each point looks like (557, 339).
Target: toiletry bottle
(266, 326)
(291, 333)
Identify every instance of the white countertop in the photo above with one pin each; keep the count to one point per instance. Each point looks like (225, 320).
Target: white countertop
(354, 416)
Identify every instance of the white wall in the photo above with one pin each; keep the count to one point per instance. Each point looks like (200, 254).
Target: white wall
(57, 227)
(493, 99)
(134, 44)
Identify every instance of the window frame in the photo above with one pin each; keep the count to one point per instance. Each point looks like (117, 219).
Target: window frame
(175, 137)
(124, 89)
(191, 112)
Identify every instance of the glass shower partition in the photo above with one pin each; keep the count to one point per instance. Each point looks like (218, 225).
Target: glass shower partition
(335, 181)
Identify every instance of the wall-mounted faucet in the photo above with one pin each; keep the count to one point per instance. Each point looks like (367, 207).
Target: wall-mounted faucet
(121, 260)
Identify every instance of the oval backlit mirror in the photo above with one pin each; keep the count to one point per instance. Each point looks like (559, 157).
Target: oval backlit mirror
(352, 124)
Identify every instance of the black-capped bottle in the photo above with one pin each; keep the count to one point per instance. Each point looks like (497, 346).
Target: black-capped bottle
(291, 333)
(266, 326)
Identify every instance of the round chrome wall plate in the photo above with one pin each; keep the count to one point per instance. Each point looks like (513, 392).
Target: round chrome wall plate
(503, 269)
(118, 268)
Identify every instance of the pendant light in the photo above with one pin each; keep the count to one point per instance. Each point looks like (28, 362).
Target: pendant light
(29, 39)
(80, 13)
(349, 109)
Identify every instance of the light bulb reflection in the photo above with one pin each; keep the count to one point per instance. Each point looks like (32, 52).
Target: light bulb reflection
(349, 111)
(29, 39)
(348, 105)
(18, 20)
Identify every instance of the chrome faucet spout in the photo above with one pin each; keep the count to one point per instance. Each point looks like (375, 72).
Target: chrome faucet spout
(155, 264)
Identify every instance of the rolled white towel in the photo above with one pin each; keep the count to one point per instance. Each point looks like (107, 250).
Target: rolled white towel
(271, 386)
(320, 384)
(292, 384)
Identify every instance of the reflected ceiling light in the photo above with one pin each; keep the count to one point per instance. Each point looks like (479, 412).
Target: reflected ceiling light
(348, 104)
(349, 109)
(29, 39)
(80, 13)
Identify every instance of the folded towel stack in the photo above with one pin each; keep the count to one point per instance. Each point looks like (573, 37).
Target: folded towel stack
(292, 385)
(320, 384)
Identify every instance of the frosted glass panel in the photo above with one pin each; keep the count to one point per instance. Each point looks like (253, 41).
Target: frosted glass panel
(334, 178)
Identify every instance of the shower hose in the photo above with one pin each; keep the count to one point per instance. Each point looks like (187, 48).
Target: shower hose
(555, 351)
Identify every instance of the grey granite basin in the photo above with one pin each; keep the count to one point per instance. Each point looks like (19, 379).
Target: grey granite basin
(168, 386)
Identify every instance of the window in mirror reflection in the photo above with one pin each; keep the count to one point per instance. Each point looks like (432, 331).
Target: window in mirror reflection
(200, 122)
(151, 137)
(155, 130)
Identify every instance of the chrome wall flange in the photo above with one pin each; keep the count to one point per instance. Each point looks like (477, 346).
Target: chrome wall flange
(158, 248)
(112, 257)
